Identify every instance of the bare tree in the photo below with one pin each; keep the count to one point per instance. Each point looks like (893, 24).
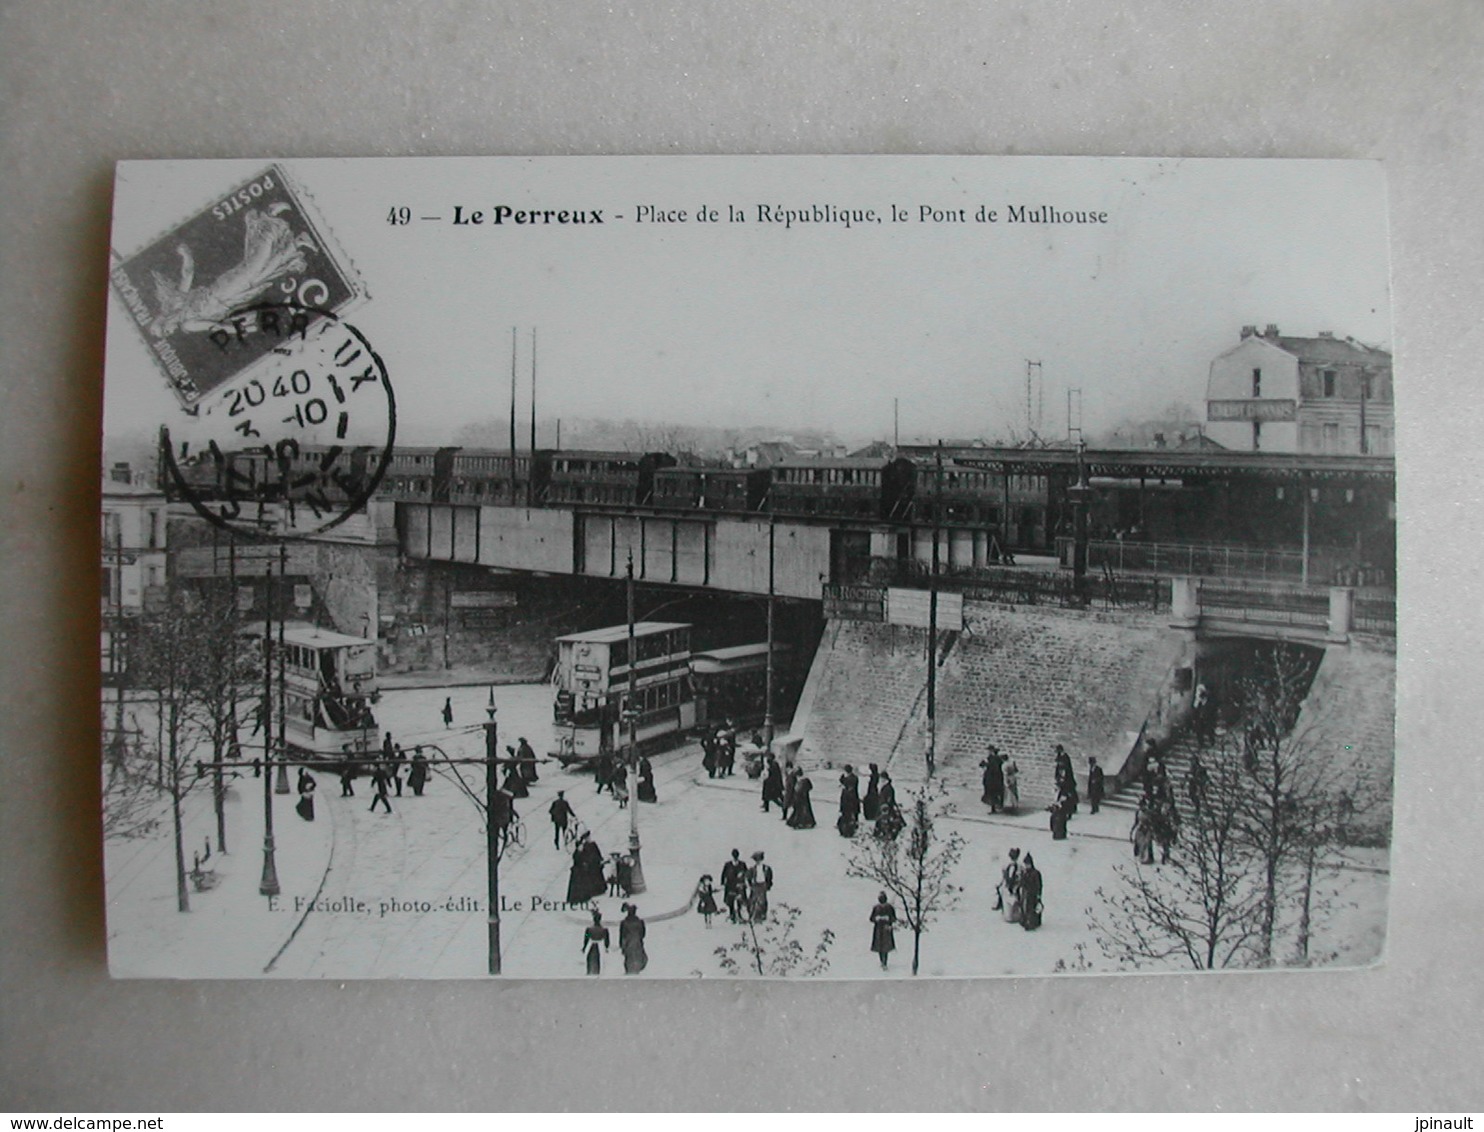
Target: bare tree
(1205, 906)
(770, 948)
(915, 866)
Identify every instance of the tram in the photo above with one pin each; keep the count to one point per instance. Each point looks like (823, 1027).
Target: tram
(592, 676)
(731, 684)
(329, 687)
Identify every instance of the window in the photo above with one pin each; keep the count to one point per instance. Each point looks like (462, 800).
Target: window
(1257, 382)
(1329, 382)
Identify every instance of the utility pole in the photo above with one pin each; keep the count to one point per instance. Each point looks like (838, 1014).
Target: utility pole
(932, 635)
(768, 723)
(636, 879)
(533, 396)
(1080, 493)
(268, 886)
(493, 803)
(513, 332)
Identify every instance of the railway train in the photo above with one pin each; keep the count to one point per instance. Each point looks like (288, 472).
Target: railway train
(1020, 499)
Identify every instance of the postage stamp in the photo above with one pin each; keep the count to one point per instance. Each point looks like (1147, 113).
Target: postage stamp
(185, 290)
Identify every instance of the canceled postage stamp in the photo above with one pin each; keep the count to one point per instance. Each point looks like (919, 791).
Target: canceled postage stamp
(747, 567)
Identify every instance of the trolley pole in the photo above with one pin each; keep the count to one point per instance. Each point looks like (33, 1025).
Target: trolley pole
(268, 886)
(492, 831)
(636, 877)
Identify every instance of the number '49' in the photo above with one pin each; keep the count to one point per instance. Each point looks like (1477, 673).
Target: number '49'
(399, 215)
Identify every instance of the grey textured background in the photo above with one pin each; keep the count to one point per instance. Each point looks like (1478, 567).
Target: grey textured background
(85, 85)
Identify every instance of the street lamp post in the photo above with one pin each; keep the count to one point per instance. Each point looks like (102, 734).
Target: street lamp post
(631, 713)
(768, 722)
(281, 783)
(492, 831)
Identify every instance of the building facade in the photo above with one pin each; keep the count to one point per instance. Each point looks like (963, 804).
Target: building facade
(1279, 393)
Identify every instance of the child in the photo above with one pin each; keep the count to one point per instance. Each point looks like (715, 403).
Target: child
(706, 898)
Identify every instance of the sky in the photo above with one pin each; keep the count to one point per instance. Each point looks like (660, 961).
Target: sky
(808, 325)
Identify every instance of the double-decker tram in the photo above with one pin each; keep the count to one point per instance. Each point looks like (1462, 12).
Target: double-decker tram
(329, 686)
(732, 683)
(593, 675)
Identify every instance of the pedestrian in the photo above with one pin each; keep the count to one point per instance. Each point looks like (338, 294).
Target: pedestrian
(586, 879)
(645, 789)
(994, 781)
(1196, 779)
(871, 803)
(1030, 895)
(772, 784)
(618, 786)
(708, 755)
(1142, 834)
(850, 803)
(306, 795)
(515, 783)
(448, 711)
(1094, 784)
(631, 941)
(380, 780)
(388, 748)
(561, 813)
(759, 884)
(399, 756)
(1012, 785)
(790, 789)
(802, 814)
(1063, 773)
(888, 793)
(347, 779)
(417, 777)
(595, 934)
(1007, 892)
(603, 771)
(1060, 812)
(527, 756)
(734, 885)
(728, 737)
(883, 935)
(706, 898)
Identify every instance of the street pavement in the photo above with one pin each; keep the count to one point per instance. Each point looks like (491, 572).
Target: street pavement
(403, 895)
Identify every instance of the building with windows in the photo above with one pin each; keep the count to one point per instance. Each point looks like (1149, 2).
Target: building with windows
(133, 536)
(1278, 393)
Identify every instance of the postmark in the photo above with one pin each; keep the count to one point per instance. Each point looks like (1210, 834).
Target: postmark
(257, 243)
(298, 442)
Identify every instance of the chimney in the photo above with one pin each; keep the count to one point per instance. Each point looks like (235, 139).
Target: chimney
(121, 473)
(1271, 333)
(1248, 331)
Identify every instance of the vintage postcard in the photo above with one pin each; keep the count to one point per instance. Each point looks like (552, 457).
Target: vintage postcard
(849, 567)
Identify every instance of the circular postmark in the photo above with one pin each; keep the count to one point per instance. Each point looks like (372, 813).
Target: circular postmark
(297, 442)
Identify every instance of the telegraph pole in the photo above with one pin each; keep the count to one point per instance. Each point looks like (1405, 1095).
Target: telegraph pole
(636, 878)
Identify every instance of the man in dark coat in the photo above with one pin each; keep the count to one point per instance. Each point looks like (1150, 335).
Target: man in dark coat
(850, 803)
(380, 780)
(734, 885)
(347, 778)
(1094, 784)
(448, 711)
(994, 781)
(708, 756)
(772, 784)
(417, 777)
(561, 813)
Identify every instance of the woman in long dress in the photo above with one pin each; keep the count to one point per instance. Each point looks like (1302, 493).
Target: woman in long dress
(1012, 785)
(306, 795)
(871, 803)
(802, 815)
(1007, 893)
(586, 880)
(631, 941)
(646, 782)
(595, 934)
(883, 937)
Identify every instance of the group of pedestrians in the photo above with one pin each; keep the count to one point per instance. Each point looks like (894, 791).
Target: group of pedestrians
(790, 791)
(631, 932)
(1067, 798)
(1157, 821)
(719, 751)
(744, 887)
(386, 775)
(1001, 782)
(610, 774)
(1018, 895)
